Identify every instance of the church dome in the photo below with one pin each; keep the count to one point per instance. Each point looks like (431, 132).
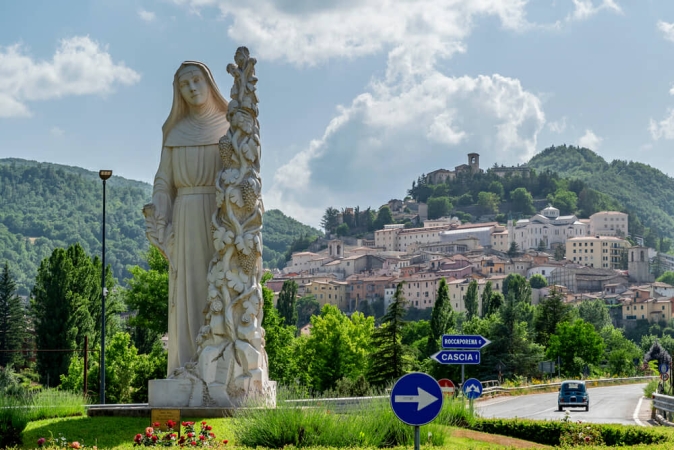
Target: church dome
(550, 212)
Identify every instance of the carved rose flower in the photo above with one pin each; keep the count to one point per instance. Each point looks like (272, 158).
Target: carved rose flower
(216, 306)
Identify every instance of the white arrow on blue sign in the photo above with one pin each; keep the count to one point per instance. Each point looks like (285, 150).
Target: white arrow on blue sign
(472, 342)
(416, 398)
(472, 388)
(457, 356)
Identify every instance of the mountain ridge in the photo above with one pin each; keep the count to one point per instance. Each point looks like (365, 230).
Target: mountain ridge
(46, 205)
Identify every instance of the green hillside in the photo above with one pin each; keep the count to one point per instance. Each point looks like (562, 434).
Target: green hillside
(644, 191)
(44, 206)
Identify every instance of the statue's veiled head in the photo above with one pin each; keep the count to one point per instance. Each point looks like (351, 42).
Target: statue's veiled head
(193, 85)
(194, 94)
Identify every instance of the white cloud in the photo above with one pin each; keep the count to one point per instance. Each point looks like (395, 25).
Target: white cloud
(558, 126)
(663, 129)
(80, 66)
(590, 140)
(309, 32)
(56, 131)
(412, 119)
(667, 30)
(584, 9)
(376, 146)
(147, 16)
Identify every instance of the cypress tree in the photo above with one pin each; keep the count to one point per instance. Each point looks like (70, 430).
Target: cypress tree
(470, 300)
(286, 302)
(442, 317)
(12, 321)
(388, 358)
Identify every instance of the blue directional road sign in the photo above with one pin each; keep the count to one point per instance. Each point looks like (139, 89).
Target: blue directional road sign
(457, 356)
(416, 398)
(472, 388)
(473, 342)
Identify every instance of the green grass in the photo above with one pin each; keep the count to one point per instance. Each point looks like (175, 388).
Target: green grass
(118, 432)
(106, 432)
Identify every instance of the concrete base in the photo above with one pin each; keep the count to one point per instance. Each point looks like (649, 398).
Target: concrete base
(192, 393)
(144, 410)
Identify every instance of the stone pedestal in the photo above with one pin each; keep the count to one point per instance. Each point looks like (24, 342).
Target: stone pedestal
(185, 393)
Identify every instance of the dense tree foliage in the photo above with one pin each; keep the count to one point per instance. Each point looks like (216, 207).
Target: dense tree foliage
(577, 344)
(307, 306)
(46, 206)
(595, 312)
(13, 321)
(470, 300)
(66, 306)
(338, 347)
(551, 311)
(285, 304)
(439, 207)
(147, 298)
(643, 191)
(330, 220)
(384, 217)
(442, 318)
(388, 360)
(279, 341)
(538, 281)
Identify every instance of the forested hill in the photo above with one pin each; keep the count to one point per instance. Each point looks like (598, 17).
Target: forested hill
(640, 188)
(44, 206)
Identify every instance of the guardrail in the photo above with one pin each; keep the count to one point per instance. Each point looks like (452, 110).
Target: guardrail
(600, 381)
(344, 404)
(663, 402)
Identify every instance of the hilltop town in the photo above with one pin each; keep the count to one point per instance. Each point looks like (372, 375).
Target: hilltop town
(582, 258)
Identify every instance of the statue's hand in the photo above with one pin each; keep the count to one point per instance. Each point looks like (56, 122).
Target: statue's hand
(157, 230)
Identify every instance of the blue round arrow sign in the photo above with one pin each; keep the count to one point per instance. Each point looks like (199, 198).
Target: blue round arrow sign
(416, 398)
(472, 388)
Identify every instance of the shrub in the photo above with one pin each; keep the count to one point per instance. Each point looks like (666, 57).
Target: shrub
(454, 413)
(651, 388)
(13, 420)
(567, 433)
(315, 423)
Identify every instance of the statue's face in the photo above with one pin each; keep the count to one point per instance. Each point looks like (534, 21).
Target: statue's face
(193, 85)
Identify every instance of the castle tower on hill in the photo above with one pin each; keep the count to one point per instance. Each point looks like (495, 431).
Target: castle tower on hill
(474, 162)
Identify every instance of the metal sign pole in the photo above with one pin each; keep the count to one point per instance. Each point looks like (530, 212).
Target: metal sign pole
(463, 376)
(417, 440)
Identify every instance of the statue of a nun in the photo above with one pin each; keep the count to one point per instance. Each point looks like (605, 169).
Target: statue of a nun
(183, 202)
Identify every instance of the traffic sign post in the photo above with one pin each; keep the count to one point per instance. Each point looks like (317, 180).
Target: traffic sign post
(472, 389)
(447, 387)
(416, 399)
(465, 350)
(663, 367)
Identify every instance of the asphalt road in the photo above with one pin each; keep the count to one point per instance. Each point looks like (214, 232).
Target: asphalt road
(612, 404)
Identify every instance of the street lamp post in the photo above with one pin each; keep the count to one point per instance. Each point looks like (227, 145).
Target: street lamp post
(104, 175)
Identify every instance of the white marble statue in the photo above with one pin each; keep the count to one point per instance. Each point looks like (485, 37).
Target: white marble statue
(183, 201)
(206, 216)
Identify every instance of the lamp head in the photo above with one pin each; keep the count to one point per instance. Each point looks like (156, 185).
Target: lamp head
(104, 174)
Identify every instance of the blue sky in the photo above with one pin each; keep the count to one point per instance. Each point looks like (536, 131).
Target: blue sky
(357, 97)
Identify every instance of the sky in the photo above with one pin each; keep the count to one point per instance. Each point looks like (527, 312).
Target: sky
(357, 97)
